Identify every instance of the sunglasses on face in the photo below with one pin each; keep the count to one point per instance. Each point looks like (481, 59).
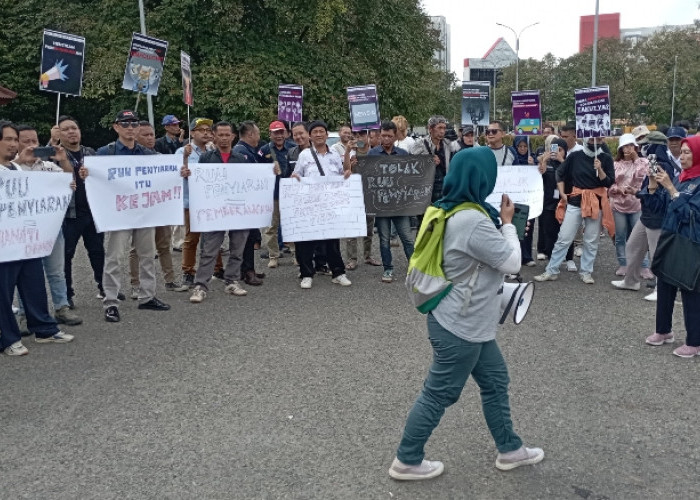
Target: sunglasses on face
(492, 131)
(128, 124)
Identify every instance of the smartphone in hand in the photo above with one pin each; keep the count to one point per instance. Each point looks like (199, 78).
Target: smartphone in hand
(520, 219)
(44, 153)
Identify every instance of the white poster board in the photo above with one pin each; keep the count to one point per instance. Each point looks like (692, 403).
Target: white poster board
(226, 196)
(131, 192)
(523, 184)
(32, 208)
(322, 208)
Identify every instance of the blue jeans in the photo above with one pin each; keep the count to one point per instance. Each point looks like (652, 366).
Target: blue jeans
(54, 269)
(624, 223)
(402, 224)
(567, 233)
(454, 359)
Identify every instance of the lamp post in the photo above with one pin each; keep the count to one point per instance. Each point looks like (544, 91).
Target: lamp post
(517, 50)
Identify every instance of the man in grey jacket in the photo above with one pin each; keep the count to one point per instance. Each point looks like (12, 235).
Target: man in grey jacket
(440, 148)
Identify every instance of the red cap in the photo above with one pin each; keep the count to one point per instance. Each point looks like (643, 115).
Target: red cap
(277, 125)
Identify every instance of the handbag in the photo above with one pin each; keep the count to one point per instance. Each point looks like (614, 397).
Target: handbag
(677, 259)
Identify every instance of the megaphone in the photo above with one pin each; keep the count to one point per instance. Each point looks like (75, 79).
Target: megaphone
(516, 297)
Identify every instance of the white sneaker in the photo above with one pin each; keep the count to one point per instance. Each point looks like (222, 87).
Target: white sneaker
(651, 297)
(571, 266)
(198, 295)
(306, 283)
(587, 278)
(578, 251)
(342, 280)
(56, 338)
(541, 256)
(273, 263)
(519, 457)
(16, 349)
(426, 470)
(235, 289)
(134, 293)
(545, 276)
(15, 310)
(620, 284)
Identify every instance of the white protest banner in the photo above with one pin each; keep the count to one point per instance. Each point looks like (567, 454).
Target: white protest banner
(226, 196)
(322, 208)
(32, 207)
(130, 192)
(523, 184)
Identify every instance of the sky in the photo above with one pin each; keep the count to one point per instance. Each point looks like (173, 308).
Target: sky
(473, 24)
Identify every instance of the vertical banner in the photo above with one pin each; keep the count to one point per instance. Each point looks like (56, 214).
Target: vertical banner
(62, 59)
(144, 66)
(32, 207)
(130, 192)
(592, 112)
(187, 96)
(290, 103)
(364, 108)
(475, 103)
(527, 117)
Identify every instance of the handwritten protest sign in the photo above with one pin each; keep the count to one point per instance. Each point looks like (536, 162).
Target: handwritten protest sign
(130, 192)
(230, 196)
(32, 207)
(523, 184)
(396, 185)
(322, 208)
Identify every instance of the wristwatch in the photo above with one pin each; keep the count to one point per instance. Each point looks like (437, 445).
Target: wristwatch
(675, 195)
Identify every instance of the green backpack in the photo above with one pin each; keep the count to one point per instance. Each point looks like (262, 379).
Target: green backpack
(426, 281)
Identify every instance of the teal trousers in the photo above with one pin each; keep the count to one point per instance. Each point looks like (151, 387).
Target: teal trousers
(454, 359)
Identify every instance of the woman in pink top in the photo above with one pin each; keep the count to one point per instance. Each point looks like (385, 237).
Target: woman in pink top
(630, 171)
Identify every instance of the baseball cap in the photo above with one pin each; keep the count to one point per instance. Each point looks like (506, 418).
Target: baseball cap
(277, 125)
(676, 133)
(639, 132)
(170, 120)
(126, 115)
(200, 121)
(626, 139)
(467, 129)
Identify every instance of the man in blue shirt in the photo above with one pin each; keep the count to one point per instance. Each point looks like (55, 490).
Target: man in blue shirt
(125, 125)
(402, 223)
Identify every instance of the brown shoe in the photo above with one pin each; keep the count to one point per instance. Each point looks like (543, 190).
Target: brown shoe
(251, 279)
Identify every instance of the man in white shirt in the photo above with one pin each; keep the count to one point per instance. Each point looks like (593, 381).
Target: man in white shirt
(494, 140)
(345, 134)
(316, 161)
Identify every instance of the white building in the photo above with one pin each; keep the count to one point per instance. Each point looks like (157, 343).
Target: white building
(636, 35)
(443, 55)
(499, 56)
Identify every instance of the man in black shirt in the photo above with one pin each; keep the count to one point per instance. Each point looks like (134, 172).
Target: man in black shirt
(174, 135)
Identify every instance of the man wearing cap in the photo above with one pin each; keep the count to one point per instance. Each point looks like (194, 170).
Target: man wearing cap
(172, 140)
(675, 136)
(320, 160)
(126, 125)
(276, 151)
(200, 135)
(466, 139)
(639, 133)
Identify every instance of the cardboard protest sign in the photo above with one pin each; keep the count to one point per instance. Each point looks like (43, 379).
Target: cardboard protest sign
(227, 196)
(290, 103)
(527, 117)
(144, 66)
(592, 112)
(187, 95)
(130, 192)
(322, 208)
(364, 108)
(523, 184)
(475, 103)
(32, 208)
(62, 59)
(396, 185)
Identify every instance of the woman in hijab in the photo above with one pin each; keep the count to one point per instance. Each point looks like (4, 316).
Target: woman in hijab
(462, 328)
(521, 146)
(682, 199)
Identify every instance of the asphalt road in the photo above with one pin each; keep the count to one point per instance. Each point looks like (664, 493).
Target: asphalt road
(302, 394)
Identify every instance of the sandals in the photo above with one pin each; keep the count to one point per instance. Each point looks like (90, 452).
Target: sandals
(372, 262)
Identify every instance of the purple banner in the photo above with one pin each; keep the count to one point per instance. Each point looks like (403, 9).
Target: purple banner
(475, 103)
(364, 108)
(290, 103)
(527, 117)
(592, 112)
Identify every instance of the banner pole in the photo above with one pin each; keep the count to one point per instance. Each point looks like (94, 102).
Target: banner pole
(138, 98)
(58, 107)
(189, 131)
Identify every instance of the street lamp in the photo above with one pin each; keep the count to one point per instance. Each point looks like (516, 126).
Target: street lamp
(517, 49)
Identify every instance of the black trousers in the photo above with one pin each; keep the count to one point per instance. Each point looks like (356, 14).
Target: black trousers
(548, 233)
(248, 263)
(73, 229)
(665, 297)
(305, 257)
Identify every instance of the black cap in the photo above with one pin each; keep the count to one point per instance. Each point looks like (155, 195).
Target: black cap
(318, 123)
(467, 129)
(126, 115)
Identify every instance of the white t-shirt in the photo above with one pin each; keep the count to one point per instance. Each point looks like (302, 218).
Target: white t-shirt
(339, 148)
(406, 143)
(331, 162)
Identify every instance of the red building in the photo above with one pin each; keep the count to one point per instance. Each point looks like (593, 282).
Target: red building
(608, 27)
